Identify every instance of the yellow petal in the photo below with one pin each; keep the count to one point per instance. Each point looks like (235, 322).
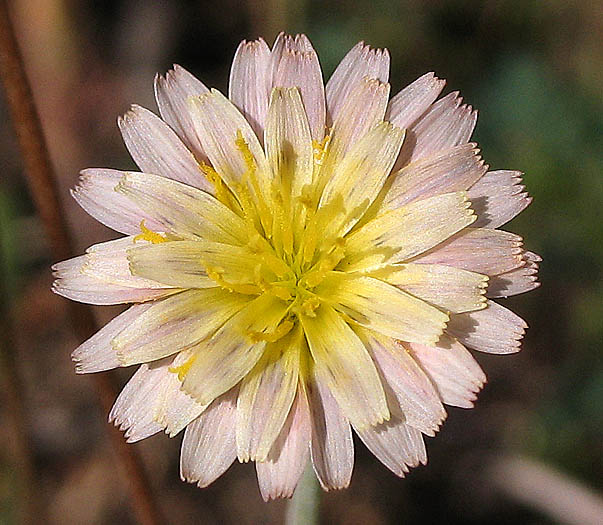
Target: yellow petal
(176, 323)
(342, 362)
(288, 141)
(360, 176)
(383, 308)
(406, 232)
(182, 210)
(220, 362)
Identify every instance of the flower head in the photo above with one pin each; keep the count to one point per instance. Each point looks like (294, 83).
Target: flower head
(302, 261)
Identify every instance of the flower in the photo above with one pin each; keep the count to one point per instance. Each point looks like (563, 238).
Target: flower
(302, 260)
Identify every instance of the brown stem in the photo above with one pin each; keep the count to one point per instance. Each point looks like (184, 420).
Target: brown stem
(40, 176)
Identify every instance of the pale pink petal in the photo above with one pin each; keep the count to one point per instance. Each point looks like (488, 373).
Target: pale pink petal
(97, 354)
(494, 330)
(266, 395)
(96, 193)
(208, 447)
(363, 109)
(446, 124)
(454, 169)
(520, 280)
(410, 103)
(455, 373)
(332, 448)
(279, 474)
(152, 401)
(498, 197)
(360, 62)
(102, 276)
(248, 81)
(397, 445)
(156, 148)
(295, 64)
(479, 250)
(173, 93)
(410, 394)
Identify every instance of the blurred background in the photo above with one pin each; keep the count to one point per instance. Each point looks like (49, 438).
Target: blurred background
(534, 70)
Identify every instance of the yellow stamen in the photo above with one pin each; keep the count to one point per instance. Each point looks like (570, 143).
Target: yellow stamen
(149, 235)
(183, 369)
(281, 331)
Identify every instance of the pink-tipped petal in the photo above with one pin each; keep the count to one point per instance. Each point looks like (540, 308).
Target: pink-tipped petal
(446, 124)
(97, 354)
(494, 330)
(397, 445)
(208, 447)
(295, 64)
(455, 373)
(409, 104)
(410, 394)
(361, 61)
(332, 447)
(520, 280)
(95, 193)
(279, 474)
(248, 80)
(498, 197)
(156, 148)
(454, 169)
(173, 93)
(479, 250)
(152, 401)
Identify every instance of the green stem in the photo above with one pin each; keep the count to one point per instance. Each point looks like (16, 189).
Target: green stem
(303, 509)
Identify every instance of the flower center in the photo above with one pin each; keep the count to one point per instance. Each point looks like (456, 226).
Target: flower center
(292, 244)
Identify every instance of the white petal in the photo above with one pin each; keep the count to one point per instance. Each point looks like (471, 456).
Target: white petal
(479, 250)
(410, 394)
(173, 93)
(410, 103)
(455, 373)
(152, 401)
(332, 447)
(494, 330)
(97, 354)
(454, 169)
(295, 64)
(157, 149)
(444, 125)
(96, 193)
(279, 474)
(520, 280)
(208, 447)
(498, 197)
(396, 444)
(360, 62)
(247, 87)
